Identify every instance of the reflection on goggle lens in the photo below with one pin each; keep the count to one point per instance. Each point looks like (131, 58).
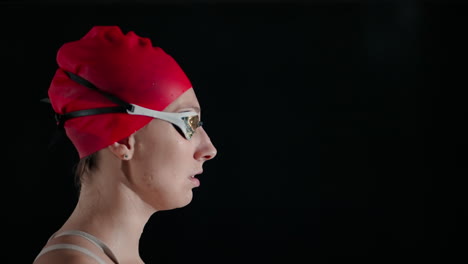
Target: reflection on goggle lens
(191, 124)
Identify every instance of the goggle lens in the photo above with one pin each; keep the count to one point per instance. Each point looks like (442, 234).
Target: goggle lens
(191, 124)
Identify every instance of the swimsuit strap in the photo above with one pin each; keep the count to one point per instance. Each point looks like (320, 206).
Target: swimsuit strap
(88, 237)
(73, 247)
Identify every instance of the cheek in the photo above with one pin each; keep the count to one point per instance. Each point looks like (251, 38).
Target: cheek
(163, 171)
(159, 147)
(160, 165)
(164, 155)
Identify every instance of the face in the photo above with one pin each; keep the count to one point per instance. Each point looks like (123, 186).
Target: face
(164, 162)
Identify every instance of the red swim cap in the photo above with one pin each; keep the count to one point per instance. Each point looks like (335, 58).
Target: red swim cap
(126, 66)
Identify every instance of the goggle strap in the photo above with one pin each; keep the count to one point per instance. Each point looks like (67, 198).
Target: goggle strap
(94, 111)
(91, 86)
(60, 132)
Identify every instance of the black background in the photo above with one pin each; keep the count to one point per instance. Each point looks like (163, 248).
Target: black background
(339, 127)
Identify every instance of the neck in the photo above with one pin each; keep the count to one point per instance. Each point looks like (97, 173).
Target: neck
(115, 215)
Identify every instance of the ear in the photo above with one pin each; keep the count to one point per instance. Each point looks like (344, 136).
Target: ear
(123, 149)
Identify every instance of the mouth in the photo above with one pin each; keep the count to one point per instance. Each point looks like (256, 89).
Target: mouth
(194, 180)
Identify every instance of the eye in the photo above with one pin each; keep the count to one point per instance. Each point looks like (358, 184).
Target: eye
(191, 124)
(194, 122)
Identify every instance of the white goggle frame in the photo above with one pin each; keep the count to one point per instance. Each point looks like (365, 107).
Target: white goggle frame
(188, 122)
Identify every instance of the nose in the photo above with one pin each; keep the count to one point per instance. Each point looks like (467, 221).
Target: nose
(206, 150)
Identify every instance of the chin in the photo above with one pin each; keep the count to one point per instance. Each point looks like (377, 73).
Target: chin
(178, 203)
(186, 201)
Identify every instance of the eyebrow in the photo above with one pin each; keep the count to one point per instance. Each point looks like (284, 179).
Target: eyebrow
(196, 108)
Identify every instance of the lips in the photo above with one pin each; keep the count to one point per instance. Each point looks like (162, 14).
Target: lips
(194, 180)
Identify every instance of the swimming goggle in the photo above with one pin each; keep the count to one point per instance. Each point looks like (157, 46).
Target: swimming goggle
(185, 122)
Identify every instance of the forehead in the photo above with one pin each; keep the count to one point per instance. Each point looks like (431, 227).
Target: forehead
(187, 100)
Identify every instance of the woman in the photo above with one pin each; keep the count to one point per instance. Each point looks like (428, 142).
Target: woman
(134, 118)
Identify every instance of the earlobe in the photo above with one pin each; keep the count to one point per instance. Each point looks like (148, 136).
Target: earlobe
(124, 148)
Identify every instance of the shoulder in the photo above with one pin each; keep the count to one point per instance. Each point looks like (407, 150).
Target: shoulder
(70, 250)
(61, 256)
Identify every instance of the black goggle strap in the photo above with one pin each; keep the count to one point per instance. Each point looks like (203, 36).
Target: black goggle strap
(122, 108)
(104, 110)
(91, 86)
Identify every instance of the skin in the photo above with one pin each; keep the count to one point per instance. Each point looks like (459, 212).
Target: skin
(118, 199)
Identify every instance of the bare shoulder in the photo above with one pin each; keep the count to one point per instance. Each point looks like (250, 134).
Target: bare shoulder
(71, 250)
(65, 256)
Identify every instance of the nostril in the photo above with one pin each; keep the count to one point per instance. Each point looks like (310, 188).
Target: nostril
(204, 155)
(211, 155)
